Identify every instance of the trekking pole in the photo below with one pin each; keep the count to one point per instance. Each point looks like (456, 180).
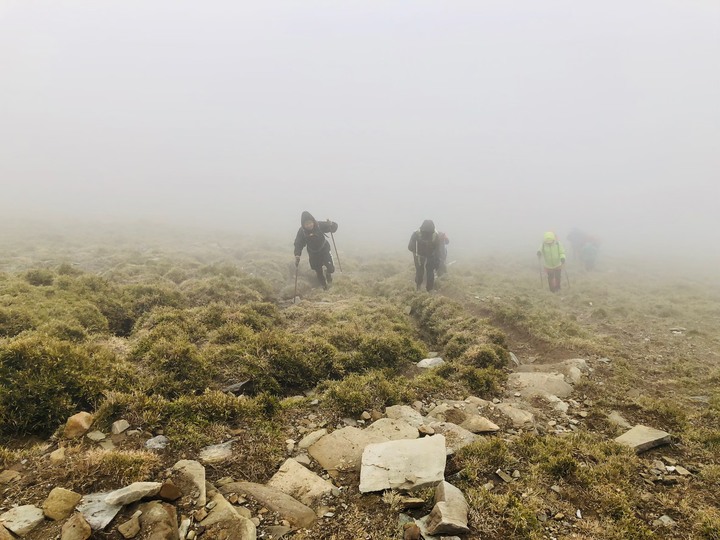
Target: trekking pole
(297, 265)
(541, 274)
(336, 252)
(567, 277)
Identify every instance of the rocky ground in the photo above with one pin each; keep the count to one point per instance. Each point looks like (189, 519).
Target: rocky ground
(513, 413)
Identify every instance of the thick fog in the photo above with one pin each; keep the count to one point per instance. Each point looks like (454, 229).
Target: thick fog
(498, 120)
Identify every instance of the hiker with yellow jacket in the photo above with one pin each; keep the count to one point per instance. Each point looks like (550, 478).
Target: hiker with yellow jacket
(553, 258)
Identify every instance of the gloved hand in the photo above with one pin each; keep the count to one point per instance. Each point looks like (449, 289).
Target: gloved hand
(539, 254)
(562, 261)
(297, 260)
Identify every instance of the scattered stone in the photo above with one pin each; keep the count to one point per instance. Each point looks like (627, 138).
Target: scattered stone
(449, 515)
(664, 521)
(430, 362)
(160, 520)
(97, 511)
(200, 514)
(311, 438)
(489, 486)
(169, 491)
(426, 430)
(418, 406)
(96, 436)
(78, 425)
(304, 460)
(514, 359)
(76, 528)
(22, 519)
(157, 443)
(184, 528)
(682, 471)
(132, 493)
(583, 414)
(518, 417)
(411, 502)
(559, 516)
(479, 424)
(669, 460)
(642, 438)
(9, 476)
(57, 456)
(411, 532)
(403, 464)
(216, 453)
(556, 489)
(119, 426)
(300, 483)
(294, 511)
(366, 415)
(289, 445)
(277, 531)
(130, 528)
(60, 503)
(505, 477)
(516, 474)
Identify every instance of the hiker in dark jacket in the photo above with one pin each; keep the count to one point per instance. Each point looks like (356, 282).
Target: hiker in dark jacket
(312, 234)
(425, 245)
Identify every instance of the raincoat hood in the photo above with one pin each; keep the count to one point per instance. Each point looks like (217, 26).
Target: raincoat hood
(306, 216)
(549, 237)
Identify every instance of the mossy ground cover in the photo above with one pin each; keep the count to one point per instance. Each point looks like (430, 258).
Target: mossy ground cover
(154, 332)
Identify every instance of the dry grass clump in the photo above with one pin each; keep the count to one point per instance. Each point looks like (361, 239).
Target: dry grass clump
(375, 389)
(97, 470)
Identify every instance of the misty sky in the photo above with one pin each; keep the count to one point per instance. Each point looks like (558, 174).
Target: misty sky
(497, 119)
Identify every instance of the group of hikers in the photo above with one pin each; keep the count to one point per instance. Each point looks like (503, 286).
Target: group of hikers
(429, 249)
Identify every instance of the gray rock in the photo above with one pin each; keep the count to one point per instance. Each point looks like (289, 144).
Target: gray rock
(107, 445)
(289, 508)
(403, 464)
(157, 443)
(217, 453)
(277, 531)
(132, 493)
(664, 521)
(96, 511)
(300, 483)
(519, 417)
(311, 438)
(9, 476)
(130, 528)
(642, 438)
(430, 362)
(225, 517)
(57, 456)
(392, 429)
(119, 426)
(96, 436)
(22, 519)
(342, 450)
(450, 513)
(60, 503)
(479, 424)
(408, 414)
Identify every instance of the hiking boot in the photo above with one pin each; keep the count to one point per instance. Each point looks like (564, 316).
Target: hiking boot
(328, 276)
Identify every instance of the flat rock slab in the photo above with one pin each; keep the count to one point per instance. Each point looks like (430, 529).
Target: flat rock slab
(539, 383)
(134, 492)
(159, 521)
(289, 508)
(430, 362)
(76, 528)
(342, 449)
(403, 464)
(300, 483)
(217, 453)
(393, 429)
(96, 511)
(189, 477)
(22, 519)
(406, 413)
(519, 417)
(455, 436)
(119, 426)
(642, 438)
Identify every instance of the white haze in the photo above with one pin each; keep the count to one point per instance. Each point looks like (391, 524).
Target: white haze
(498, 120)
